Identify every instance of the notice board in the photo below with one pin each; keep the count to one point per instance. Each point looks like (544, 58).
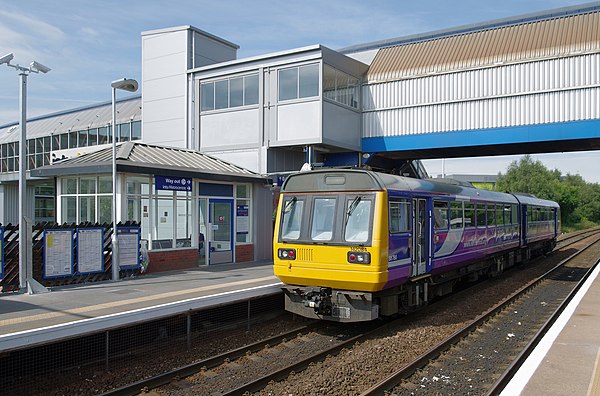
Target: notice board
(58, 253)
(90, 250)
(129, 247)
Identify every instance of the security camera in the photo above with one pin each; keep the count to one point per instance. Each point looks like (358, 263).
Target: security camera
(35, 66)
(6, 58)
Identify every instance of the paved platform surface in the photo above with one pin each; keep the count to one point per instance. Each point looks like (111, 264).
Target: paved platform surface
(71, 305)
(567, 360)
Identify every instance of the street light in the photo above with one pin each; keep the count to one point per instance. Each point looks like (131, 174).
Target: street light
(129, 85)
(25, 266)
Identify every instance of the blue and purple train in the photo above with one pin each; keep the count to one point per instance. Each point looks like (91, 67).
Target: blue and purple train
(355, 245)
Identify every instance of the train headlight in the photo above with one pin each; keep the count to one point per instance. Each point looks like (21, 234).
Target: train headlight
(287, 254)
(359, 257)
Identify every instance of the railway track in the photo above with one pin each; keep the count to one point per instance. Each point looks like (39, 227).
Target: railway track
(436, 370)
(252, 368)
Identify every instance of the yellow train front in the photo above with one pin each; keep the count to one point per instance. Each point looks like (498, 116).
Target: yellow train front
(330, 244)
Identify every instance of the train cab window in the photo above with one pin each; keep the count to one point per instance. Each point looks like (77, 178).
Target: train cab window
(358, 220)
(399, 211)
(291, 218)
(323, 219)
(480, 214)
(456, 215)
(440, 214)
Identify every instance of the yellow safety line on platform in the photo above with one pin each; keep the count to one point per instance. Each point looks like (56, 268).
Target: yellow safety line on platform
(594, 388)
(98, 307)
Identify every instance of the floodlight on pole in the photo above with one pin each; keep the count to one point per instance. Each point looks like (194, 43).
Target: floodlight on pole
(25, 264)
(129, 85)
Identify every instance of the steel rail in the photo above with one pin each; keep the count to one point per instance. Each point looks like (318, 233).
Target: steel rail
(406, 371)
(278, 375)
(193, 368)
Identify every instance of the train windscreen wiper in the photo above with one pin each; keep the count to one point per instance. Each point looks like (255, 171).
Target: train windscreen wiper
(353, 206)
(290, 204)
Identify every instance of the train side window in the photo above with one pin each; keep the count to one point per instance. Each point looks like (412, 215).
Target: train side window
(323, 217)
(506, 213)
(499, 215)
(480, 213)
(456, 215)
(469, 214)
(291, 218)
(399, 212)
(515, 214)
(491, 215)
(440, 214)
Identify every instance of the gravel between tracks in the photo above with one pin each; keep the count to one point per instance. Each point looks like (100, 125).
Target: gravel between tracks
(354, 371)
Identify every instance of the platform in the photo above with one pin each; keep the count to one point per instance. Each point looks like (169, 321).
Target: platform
(27, 320)
(567, 360)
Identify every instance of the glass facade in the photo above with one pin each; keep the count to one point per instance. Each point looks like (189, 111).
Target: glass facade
(299, 82)
(340, 87)
(229, 93)
(85, 199)
(39, 149)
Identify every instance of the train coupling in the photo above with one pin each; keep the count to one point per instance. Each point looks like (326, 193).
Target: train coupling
(319, 301)
(330, 304)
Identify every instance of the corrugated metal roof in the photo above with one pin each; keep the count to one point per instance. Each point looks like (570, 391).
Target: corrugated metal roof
(530, 41)
(156, 159)
(95, 116)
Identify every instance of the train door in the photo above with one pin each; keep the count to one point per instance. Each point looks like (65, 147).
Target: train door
(421, 239)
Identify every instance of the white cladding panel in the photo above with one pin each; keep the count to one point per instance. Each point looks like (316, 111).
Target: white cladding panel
(248, 159)
(298, 123)
(556, 90)
(230, 129)
(165, 132)
(160, 44)
(164, 85)
(341, 126)
(170, 107)
(543, 108)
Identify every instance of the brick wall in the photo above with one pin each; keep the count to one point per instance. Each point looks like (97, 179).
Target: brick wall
(171, 260)
(244, 253)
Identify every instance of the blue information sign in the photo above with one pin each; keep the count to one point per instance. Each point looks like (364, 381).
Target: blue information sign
(173, 183)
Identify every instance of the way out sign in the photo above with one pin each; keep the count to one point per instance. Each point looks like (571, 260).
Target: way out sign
(173, 183)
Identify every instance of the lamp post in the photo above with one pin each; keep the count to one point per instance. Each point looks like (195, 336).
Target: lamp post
(25, 272)
(129, 85)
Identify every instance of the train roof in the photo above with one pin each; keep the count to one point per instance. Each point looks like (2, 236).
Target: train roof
(364, 180)
(527, 199)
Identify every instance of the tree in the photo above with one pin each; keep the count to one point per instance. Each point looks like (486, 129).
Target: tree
(579, 201)
(531, 177)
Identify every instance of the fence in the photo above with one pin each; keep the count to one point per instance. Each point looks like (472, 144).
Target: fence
(10, 281)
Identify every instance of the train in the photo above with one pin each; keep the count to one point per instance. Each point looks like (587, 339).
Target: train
(354, 245)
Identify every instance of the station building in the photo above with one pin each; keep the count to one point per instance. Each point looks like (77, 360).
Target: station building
(233, 127)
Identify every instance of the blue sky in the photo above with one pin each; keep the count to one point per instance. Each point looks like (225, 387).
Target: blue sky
(88, 44)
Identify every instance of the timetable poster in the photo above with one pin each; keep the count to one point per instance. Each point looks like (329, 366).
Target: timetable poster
(129, 247)
(90, 248)
(58, 253)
